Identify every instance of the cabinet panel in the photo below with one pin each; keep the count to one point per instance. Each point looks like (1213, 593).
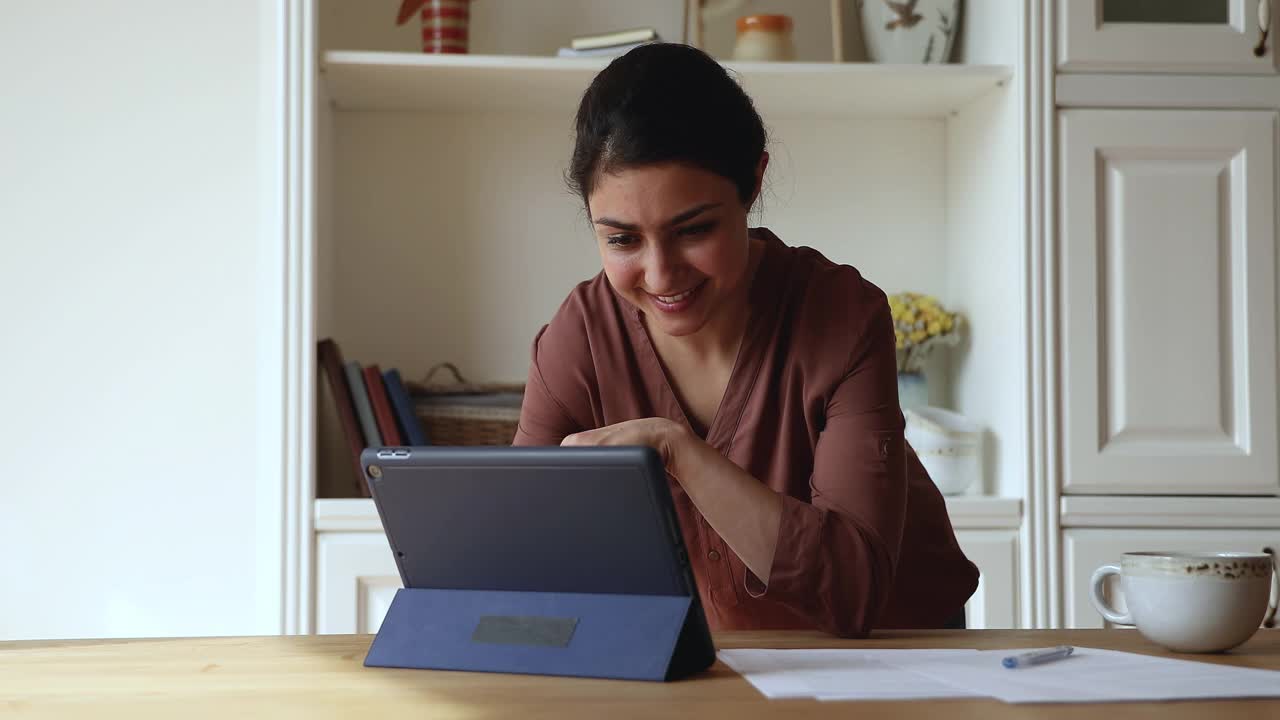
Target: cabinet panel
(995, 603)
(356, 578)
(1173, 36)
(1084, 551)
(1168, 302)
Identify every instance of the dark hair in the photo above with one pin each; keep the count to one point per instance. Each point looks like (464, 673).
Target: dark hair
(664, 102)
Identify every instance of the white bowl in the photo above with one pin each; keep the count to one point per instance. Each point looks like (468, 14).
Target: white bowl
(949, 445)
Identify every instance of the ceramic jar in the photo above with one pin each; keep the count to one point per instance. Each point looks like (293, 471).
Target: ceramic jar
(764, 37)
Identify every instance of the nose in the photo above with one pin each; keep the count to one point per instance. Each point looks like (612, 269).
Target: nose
(662, 269)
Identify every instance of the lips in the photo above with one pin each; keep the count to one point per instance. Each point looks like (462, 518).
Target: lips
(678, 301)
(673, 299)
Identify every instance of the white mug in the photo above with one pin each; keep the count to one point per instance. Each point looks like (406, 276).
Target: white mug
(1193, 601)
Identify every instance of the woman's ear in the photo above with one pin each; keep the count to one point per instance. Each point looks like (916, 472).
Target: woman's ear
(760, 168)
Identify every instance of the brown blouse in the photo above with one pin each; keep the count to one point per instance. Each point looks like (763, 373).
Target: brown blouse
(811, 410)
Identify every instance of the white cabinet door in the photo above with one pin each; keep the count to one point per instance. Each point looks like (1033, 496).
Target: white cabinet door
(1173, 36)
(1084, 551)
(356, 578)
(1167, 251)
(995, 552)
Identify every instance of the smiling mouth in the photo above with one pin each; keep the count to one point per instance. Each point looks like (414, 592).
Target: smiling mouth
(679, 301)
(673, 299)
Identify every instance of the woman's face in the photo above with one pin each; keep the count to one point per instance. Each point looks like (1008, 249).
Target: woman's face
(673, 242)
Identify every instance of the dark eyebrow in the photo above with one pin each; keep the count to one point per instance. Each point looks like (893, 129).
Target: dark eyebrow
(682, 217)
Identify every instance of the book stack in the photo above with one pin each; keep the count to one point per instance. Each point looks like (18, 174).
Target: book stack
(374, 407)
(608, 44)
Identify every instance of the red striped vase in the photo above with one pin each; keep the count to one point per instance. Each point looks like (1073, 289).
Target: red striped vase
(444, 26)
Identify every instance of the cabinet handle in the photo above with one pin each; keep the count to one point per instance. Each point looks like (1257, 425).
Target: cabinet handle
(1264, 27)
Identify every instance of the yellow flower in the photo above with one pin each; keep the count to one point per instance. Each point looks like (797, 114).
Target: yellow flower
(918, 319)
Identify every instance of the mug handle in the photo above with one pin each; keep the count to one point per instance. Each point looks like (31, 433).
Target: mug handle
(1269, 620)
(1099, 600)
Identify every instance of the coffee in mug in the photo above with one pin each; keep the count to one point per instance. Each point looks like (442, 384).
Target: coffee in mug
(1192, 601)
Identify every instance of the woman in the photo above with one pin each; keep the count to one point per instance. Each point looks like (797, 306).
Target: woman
(763, 374)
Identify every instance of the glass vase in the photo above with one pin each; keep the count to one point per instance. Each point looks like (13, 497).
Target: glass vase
(913, 390)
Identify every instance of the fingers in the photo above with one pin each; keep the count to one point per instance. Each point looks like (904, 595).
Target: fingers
(587, 439)
(631, 432)
(602, 436)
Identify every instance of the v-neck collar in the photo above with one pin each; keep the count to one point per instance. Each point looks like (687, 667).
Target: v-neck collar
(763, 304)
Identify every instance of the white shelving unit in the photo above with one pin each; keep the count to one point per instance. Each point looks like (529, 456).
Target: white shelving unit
(444, 231)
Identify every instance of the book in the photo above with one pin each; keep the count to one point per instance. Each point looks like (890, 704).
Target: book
(331, 366)
(381, 405)
(410, 426)
(364, 411)
(610, 51)
(619, 37)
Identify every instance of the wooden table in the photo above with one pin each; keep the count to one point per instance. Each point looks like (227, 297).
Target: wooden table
(322, 676)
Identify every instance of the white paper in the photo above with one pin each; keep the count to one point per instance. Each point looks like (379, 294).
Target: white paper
(1089, 675)
(842, 674)
(1094, 675)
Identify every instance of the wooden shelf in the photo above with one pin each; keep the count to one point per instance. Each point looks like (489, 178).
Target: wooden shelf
(468, 83)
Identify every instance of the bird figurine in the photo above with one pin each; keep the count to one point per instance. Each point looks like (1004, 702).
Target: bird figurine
(906, 12)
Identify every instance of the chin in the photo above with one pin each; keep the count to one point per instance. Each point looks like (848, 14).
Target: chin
(677, 328)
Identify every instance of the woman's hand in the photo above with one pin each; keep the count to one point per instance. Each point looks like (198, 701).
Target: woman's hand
(665, 436)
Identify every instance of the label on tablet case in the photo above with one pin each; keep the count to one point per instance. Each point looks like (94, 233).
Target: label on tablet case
(525, 630)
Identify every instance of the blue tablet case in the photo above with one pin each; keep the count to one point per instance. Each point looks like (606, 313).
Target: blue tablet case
(557, 561)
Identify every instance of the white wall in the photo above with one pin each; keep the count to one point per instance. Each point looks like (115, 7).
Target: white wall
(986, 262)
(140, 311)
(986, 253)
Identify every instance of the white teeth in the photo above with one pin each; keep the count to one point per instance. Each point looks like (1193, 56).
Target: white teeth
(673, 299)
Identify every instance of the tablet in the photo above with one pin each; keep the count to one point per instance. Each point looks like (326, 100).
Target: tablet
(536, 519)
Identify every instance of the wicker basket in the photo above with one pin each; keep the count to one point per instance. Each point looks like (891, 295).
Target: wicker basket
(466, 413)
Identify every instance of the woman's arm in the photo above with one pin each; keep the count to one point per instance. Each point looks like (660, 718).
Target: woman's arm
(740, 508)
(837, 554)
(543, 419)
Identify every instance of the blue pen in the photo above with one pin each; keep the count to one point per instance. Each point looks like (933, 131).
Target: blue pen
(1035, 657)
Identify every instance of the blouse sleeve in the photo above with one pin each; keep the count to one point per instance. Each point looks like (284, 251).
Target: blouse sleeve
(544, 420)
(836, 556)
